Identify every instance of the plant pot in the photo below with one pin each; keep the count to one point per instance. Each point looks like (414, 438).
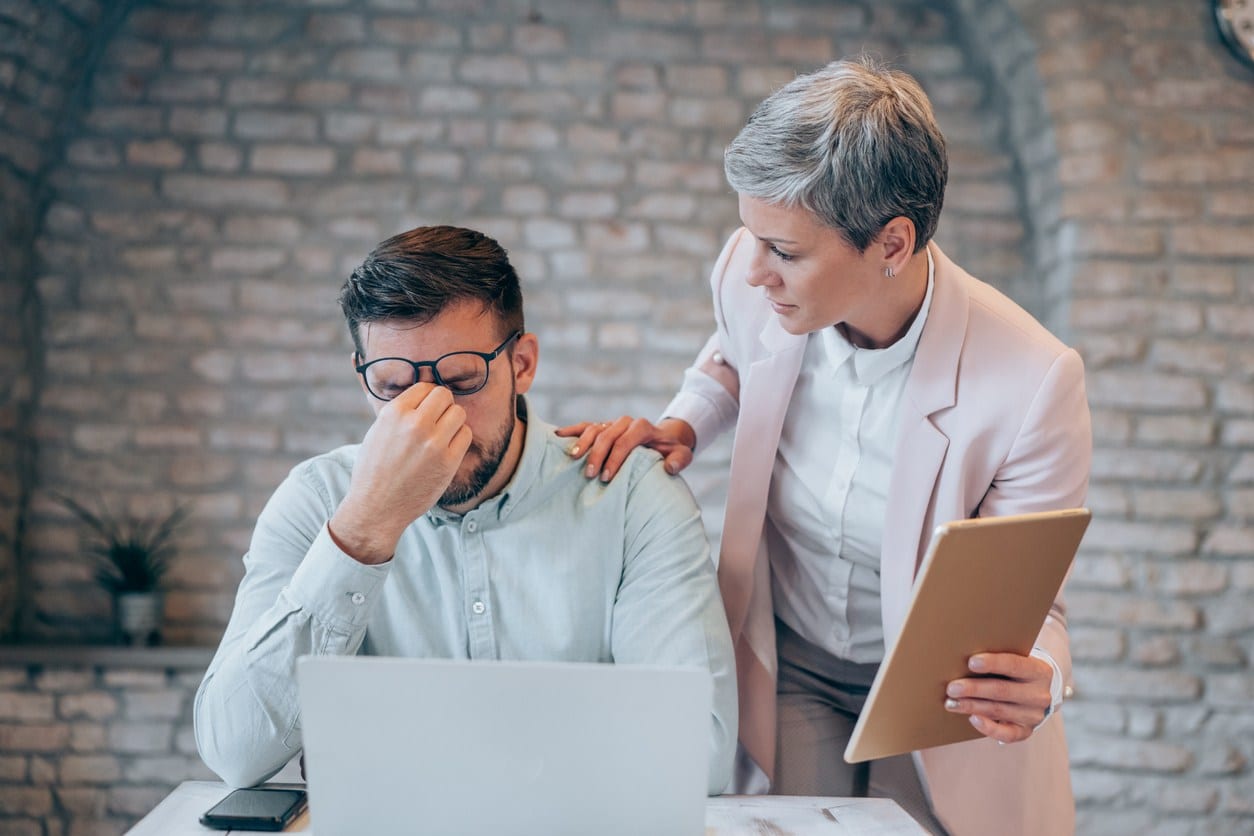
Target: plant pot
(138, 617)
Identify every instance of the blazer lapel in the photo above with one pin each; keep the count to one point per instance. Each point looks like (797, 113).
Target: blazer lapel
(921, 446)
(764, 397)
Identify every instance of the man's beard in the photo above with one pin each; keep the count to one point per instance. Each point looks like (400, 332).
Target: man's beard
(491, 454)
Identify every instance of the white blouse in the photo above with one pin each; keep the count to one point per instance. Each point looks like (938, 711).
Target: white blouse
(829, 488)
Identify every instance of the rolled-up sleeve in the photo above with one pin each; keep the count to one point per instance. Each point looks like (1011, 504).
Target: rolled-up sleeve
(300, 595)
(668, 609)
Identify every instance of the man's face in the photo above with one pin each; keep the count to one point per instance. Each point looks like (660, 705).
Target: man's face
(490, 412)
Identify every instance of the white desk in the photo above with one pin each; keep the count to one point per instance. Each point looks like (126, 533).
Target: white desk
(737, 815)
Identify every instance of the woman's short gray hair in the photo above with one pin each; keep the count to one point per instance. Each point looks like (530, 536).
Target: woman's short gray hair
(855, 143)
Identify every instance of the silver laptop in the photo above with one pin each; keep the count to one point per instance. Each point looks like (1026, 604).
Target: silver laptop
(424, 746)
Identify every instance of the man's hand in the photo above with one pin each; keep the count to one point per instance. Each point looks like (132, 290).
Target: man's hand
(407, 460)
(607, 444)
(1008, 704)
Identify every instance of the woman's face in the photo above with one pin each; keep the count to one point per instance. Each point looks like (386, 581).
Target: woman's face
(811, 276)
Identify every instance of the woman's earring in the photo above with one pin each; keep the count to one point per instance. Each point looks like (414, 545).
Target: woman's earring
(888, 272)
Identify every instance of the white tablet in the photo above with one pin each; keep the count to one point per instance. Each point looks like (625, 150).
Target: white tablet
(986, 586)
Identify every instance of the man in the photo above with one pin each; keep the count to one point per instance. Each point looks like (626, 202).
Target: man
(459, 527)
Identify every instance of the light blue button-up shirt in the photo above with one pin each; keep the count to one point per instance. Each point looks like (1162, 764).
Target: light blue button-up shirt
(556, 567)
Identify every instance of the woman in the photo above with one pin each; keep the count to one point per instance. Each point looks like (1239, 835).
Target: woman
(877, 390)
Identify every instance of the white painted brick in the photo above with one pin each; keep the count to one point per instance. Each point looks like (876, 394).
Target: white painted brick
(1173, 318)
(502, 70)
(249, 260)
(369, 63)
(321, 93)
(1092, 786)
(273, 124)
(1242, 472)
(139, 738)
(33, 737)
(94, 705)
(133, 678)
(22, 707)
(198, 121)
(1182, 504)
(1152, 465)
(445, 99)
(89, 769)
(439, 165)
(1090, 644)
(225, 192)
(1125, 755)
(616, 237)
(548, 234)
(588, 205)
(1237, 433)
(1230, 541)
(90, 802)
(1176, 430)
(1221, 760)
(1189, 356)
(12, 769)
(217, 156)
(1190, 577)
(1115, 610)
(1213, 240)
(292, 159)
(1207, 281)
(377, 161)
(25, 801)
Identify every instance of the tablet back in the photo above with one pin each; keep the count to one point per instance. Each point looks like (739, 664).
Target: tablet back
(986, 586)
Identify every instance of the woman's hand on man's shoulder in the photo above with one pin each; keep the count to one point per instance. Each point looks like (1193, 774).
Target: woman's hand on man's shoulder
(606, 444)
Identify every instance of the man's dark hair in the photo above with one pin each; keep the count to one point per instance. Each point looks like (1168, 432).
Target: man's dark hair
(416, 275)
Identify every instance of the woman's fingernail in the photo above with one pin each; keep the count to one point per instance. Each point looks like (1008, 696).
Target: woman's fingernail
(589, 471)
(605, 476)
(978, 722)
(976, 663)
(574, 451)
(954, 689)
(951, 704)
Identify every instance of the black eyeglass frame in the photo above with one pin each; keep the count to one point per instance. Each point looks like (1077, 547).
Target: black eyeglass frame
(435, 375)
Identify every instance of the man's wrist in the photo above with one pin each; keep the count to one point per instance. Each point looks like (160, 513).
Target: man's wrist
(363, 544)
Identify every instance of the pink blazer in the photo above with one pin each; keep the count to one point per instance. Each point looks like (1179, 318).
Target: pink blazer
(994, 421)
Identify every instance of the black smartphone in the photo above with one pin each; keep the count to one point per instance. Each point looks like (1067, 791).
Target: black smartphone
(260, 808)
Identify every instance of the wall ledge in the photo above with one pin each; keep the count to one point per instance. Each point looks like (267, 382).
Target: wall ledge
(105, 656)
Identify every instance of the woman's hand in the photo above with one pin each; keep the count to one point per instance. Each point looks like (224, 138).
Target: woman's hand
(608, 443)
(1009, 698)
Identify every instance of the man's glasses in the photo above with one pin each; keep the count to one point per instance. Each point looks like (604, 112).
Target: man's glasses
(462, 372)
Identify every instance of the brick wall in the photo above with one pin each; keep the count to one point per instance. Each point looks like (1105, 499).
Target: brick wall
(1153, 127)
(231, 163)
(42, 52)
(91, 741)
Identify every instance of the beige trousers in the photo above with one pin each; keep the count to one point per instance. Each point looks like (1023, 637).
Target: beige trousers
(820, 696)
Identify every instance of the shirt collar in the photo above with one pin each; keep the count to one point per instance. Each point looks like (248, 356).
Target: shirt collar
(871, 364)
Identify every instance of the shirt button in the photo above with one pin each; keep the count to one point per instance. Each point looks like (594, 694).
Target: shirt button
(472, 526)
(358, 598)
(478, 607)
(717, 357)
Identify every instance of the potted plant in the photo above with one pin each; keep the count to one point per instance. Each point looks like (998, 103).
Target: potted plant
(131, 556)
